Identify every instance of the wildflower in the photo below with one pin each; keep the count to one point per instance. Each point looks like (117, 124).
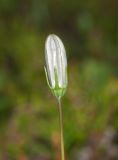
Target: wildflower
(56, 65)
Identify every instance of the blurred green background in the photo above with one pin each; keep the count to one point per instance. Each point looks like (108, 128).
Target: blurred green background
(29, 127)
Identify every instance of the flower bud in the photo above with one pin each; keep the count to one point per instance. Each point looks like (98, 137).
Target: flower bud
(56, 65)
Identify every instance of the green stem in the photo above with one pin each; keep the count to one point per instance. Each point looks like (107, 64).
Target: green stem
(61, 129)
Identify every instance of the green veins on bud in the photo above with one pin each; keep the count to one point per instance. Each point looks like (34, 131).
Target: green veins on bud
(56, 65)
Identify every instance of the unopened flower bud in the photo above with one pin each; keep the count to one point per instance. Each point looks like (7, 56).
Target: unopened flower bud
(56, 65)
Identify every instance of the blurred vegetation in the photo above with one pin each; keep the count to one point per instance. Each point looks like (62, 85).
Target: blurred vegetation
(28, 113)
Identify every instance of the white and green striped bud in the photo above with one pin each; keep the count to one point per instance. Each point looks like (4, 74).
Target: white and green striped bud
(56, 65)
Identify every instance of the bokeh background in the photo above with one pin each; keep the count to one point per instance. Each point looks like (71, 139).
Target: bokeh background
(29, 127)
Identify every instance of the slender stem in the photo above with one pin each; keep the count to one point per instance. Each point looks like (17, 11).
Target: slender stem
(61, 129)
